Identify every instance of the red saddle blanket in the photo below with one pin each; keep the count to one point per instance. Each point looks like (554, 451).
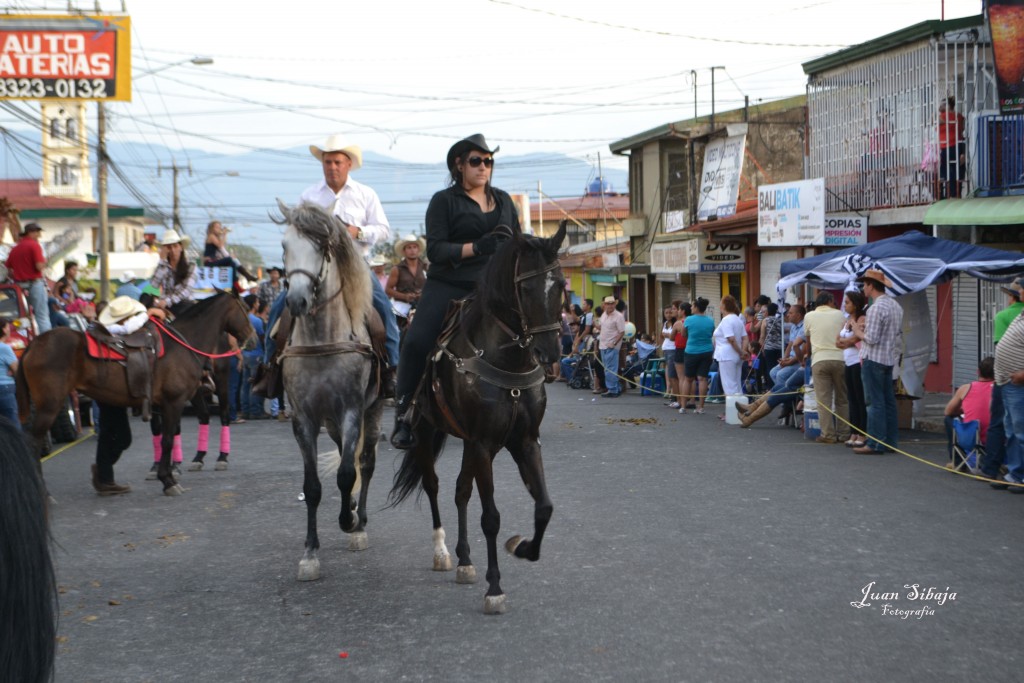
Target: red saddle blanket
(100, 351)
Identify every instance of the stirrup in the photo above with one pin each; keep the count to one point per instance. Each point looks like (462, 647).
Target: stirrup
(403, 438)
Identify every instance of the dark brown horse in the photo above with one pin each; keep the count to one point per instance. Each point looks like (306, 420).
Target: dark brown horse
(486, 386)
(56, 363)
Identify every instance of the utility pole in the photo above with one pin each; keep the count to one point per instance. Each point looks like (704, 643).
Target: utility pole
(540, 208)
(600, 181)
(693, 73)
(175, 169)
(101, 174)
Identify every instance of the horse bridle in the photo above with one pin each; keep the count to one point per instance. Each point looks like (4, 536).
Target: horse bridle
(316, 279)
(525, 337)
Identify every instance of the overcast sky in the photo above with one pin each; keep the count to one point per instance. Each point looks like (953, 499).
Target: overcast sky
(406, 78)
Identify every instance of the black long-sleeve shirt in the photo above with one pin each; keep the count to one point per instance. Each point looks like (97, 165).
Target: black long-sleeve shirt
(454, 218)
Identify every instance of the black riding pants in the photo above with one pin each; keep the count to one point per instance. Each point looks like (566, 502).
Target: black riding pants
(115, 437)
(421, 335)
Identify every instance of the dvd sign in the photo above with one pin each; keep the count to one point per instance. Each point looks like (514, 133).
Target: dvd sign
(723, 257)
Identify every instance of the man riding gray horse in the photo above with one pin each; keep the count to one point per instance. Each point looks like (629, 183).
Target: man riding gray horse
(359, 208)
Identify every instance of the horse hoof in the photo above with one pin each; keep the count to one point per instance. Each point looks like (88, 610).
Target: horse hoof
(465, 574)
(221, 465)
(195, 466)
(495, 604)
(442, 563)
(513, 543)
(309, 570)
(174, 490)
(358, 540)
(151, 475)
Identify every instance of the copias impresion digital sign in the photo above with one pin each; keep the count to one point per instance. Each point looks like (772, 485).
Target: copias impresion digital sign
(65, 57)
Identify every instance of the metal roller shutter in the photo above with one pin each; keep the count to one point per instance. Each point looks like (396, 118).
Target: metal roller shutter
(709, 286)
(771, 267)
(966, 330)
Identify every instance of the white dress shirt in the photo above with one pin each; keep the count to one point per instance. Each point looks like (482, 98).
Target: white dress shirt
(355, 204)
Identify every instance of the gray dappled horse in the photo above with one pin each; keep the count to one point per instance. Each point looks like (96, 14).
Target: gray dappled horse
(328, 367)
(486, 386)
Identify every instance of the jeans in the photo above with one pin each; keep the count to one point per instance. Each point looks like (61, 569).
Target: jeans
(250, 404)
(995, 438)
(234, 387)
(380, 302)
(1013, 420)
(787, 392)
(855, 398)
(610, 359)
(40, 302)
(883, 423)
(8, 403)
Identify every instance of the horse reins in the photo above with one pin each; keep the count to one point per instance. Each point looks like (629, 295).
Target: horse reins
(325, 247)
(176, 336)
(526, 337)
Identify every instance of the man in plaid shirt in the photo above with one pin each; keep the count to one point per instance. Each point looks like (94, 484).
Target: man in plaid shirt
(269, 290)
(881, 335)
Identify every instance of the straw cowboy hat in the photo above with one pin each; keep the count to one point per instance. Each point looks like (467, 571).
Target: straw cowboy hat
(609, 300)
(877, 275)
(409, 239)
(172, 237)
(336, 143)
(120, 308)
(475, 141)
(378, 260)
(1015, 288)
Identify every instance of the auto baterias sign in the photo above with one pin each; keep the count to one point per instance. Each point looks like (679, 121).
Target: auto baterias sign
(46, 57)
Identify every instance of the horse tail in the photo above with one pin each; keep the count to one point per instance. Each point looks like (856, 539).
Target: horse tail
(21, 392)
(27, 586)
(409, 476)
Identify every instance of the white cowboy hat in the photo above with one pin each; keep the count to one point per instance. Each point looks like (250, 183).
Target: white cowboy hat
(400, 244)
(378, 261)
(171, 237)
(126, 277)
(120, 308)
(336, 143)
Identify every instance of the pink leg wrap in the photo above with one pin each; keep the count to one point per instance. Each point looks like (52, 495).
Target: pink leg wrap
(176, 451)
(157, 448)
(204, 438)
(225, 439)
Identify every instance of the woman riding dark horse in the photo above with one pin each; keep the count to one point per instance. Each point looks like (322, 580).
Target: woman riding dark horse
(465, 225)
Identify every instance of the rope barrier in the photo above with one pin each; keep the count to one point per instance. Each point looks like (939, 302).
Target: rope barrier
(66, 446)
(968, 475)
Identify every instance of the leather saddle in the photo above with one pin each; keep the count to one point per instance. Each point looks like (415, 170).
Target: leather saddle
(137, 352)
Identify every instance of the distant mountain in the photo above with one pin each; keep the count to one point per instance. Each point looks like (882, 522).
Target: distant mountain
(240, 189)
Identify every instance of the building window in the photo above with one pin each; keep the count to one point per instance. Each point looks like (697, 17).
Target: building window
(636, 183)
(55, 129)
(64, 173)
(72, 130)
(675, 193)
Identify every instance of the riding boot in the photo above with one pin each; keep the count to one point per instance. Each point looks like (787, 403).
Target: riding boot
(747, 408)
(403, 437)
(755, 415)
(207, 385)
(107, 488)
(387, 382)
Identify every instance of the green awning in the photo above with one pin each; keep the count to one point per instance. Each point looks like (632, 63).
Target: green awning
(976, 211)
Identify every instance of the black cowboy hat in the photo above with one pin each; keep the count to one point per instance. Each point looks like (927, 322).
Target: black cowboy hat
(475, 141)
(31, 227)
(279, 270)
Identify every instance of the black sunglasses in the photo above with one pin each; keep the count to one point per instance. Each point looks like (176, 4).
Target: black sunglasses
(476, 161)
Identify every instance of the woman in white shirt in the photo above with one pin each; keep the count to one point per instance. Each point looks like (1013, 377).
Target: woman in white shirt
(668, 352)
(731, 346)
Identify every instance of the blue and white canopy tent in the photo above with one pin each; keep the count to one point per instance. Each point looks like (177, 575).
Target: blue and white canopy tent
(912, 261)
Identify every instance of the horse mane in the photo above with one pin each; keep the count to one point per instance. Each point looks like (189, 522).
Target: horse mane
(28, 592)
(200, 306)
(330, 234)
(496, 286)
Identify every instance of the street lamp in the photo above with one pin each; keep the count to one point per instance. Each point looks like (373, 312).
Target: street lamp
(101, 173)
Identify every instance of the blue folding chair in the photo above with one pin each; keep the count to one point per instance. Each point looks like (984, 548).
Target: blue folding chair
(967, 450)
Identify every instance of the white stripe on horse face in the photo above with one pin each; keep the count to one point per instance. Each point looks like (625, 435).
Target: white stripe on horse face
(550, 282)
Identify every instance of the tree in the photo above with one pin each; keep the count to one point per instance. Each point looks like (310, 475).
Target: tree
(249, 257)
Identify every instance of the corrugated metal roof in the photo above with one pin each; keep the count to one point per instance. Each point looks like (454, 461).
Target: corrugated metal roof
(584, 208)
(905, 36)
(24, 195)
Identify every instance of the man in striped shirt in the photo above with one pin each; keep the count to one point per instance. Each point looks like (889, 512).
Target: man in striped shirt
(881, 334)
(1010, 380)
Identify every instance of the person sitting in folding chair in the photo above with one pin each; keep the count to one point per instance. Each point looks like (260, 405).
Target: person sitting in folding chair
(969, 405)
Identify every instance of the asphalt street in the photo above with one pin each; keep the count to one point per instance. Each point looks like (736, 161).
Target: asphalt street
(681, 549)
